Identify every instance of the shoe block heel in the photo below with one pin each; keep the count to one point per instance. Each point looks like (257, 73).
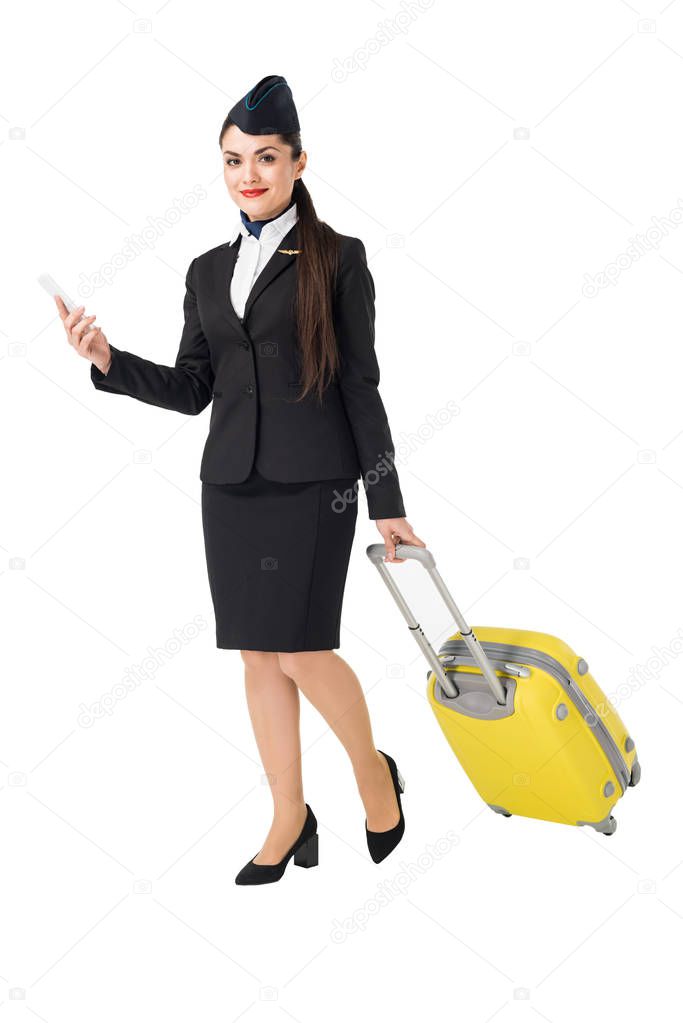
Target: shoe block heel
(401, 782)
(307, 854)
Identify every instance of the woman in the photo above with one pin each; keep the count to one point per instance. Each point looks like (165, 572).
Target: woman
(287, 305)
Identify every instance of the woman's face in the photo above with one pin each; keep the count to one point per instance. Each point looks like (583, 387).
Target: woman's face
(259, 172)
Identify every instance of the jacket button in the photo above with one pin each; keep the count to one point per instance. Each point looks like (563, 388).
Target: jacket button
(244, 344)
(249, 389)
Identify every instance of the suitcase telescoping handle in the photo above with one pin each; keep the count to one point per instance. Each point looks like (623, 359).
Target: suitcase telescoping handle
(376, 552)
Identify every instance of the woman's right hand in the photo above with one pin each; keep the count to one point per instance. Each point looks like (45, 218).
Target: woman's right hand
(91, 344)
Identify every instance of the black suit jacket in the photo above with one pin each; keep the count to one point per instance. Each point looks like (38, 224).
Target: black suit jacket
(250, 369)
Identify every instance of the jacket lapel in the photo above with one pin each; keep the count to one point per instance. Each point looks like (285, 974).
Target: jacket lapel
(278, 262)
(223, 269)
(225, 266)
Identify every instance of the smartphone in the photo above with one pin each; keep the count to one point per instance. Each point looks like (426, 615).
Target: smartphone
(52, 288)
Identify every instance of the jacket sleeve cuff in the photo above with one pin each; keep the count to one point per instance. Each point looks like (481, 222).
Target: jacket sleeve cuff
(386, 501)
(108, 380)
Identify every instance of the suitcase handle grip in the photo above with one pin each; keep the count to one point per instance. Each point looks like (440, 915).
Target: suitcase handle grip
(376, 553)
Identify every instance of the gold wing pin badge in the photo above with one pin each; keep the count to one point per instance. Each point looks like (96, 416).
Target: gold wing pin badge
(290, 252)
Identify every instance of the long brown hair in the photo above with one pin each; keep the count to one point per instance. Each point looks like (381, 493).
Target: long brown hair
(316, 272)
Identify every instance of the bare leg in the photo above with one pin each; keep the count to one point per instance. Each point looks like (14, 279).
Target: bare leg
(273, 701)
(330, 684)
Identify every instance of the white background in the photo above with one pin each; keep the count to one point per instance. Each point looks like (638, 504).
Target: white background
(493, 157)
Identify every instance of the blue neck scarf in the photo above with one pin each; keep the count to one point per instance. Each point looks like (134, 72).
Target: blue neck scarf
(254, 226)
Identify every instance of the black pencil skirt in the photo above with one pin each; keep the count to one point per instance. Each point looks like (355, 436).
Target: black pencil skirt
(277, 556)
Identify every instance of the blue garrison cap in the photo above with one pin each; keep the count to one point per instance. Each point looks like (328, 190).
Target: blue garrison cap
(267, 109)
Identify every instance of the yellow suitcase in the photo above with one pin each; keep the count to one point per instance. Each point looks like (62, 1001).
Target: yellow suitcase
(529, 724)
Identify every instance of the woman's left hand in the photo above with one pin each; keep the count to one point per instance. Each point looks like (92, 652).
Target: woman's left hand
(397, 531)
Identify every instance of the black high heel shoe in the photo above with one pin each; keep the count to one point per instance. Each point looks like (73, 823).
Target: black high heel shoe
(304, 850)
(381, 843)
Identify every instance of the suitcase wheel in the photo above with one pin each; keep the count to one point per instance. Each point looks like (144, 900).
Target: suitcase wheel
(610, 827)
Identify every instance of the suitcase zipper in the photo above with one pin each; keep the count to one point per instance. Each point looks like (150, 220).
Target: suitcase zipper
(527, 655)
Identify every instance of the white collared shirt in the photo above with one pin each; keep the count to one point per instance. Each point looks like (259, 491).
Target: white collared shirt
(254, 253)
